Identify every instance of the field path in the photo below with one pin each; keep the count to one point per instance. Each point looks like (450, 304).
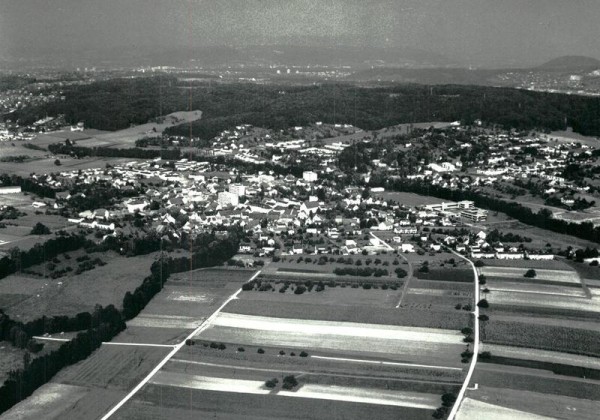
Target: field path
(463, 389)
(178, 347)
(410, 268)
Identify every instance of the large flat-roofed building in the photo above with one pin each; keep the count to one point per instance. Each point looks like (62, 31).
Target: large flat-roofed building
(475, 215)
(310, 176)
(10, 190)
(228, 199)
(237, 189)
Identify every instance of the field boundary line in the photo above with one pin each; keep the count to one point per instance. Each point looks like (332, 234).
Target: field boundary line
(110, 343)
(382, 362)
(465, 385)
(172, 353)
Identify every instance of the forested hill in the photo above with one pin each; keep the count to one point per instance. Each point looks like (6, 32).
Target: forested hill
(117, 103)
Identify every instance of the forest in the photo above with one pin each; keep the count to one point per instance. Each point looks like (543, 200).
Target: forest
(117, 103)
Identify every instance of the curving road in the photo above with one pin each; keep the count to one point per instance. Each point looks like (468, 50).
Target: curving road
(463, 389)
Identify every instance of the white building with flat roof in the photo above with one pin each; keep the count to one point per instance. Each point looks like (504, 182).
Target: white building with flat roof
(237, 189)
(310, 176)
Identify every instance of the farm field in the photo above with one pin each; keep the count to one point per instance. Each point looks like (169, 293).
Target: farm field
(502, 403)
(559, 276)
(345, 313)
(526, 264)
(545, 337)
(541, 355)
(91, 387)
(193, 403)
(533, 300)
(184, 303)
(27, 297)
(408, 344)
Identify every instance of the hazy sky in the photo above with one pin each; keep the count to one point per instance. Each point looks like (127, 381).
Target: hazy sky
(476, 31)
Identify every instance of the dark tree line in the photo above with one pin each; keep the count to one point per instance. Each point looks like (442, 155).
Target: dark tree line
(118, 103)
(131, 153)
(28, 185)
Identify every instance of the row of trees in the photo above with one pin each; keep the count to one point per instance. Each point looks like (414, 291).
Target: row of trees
(27, 185)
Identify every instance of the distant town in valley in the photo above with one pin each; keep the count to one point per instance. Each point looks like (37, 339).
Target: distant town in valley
(257, 230)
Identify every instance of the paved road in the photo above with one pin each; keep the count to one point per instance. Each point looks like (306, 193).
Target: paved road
(463, 389)
(176, 348)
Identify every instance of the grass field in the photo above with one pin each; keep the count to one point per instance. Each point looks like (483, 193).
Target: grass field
(70, 295)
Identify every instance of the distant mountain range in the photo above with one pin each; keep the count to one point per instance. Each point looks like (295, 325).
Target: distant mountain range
(559, 69)
(570, 63)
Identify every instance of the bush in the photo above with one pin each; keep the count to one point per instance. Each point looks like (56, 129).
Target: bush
(400, 273)
(40, 229)
(303, 354)
(299, 290)
(479, 263)
(281, 353)
(483, 303)
(448, 399)
(485, 355)
(260, 351)
(289, 382)
(241, 349)
(271, 383)
(530, 273)
(458, 306)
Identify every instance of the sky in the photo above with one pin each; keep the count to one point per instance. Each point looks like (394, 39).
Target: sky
(475, 32)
